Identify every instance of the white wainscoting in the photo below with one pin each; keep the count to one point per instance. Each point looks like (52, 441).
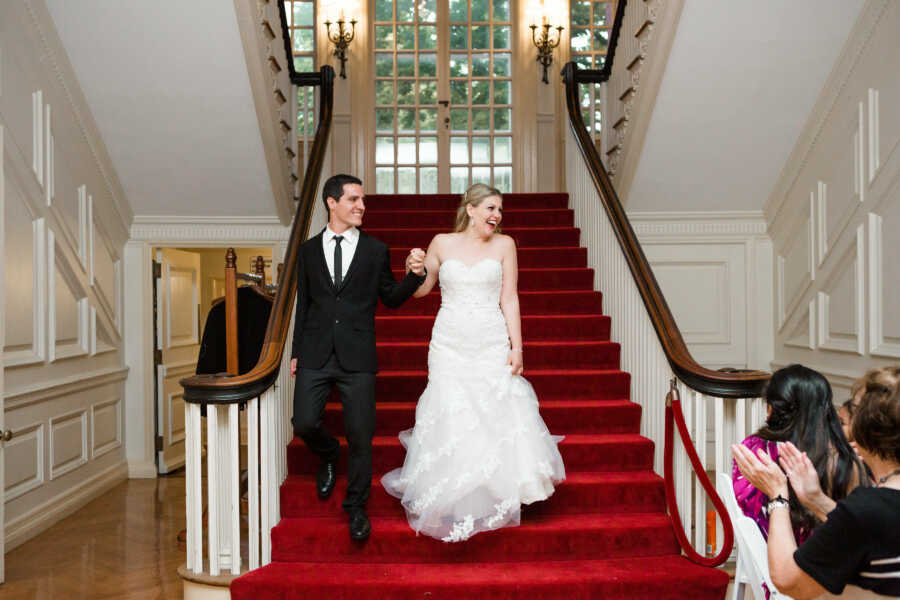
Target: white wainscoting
(64, 228)
(835, 213)
(714, 269)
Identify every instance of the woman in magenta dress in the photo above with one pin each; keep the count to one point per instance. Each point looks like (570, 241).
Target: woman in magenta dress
(800, 411)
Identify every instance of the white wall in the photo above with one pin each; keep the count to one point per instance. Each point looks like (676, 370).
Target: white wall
(835, 215)
(64, 228)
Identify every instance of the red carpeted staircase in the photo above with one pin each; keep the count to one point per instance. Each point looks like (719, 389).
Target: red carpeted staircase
(603, 534)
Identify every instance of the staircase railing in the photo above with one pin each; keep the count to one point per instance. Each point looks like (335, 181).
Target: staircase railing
(264, 391)
(656, 351)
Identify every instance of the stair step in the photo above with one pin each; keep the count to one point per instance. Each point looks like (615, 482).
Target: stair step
(528, 258)
(525, 236)
(584, 536)
(581, 492)
(602, 452)
(399, 328)
(547, 279)
(669, 577)
(549, 384)
(418, 219)
(451, 201)
(538, 355)
(532, 303)
(570, 416)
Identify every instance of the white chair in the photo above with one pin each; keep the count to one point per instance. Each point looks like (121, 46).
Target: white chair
(752, 557)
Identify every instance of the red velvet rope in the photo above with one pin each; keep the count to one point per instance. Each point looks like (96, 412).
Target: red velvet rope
(674, 414)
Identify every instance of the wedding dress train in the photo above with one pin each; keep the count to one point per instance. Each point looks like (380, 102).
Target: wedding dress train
(479, 448)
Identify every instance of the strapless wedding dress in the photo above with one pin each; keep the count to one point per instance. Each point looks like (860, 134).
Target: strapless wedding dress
(479, 448)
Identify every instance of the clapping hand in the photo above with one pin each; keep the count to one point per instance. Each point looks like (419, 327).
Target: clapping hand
(415, 262)
(800, 472)
(761, 471)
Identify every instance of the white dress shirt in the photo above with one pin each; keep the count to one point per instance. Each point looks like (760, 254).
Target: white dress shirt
(348, 248)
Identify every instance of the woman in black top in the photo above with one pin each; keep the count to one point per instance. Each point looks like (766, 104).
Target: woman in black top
(859, 543)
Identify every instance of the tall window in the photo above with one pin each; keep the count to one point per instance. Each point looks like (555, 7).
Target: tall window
(301, 24)
(591, 26)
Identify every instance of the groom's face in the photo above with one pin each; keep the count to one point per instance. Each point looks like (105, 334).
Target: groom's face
(347, 211)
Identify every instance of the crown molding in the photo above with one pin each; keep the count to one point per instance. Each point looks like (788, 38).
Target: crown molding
(216, 230)
(54, 54)
(741, 223)
(860, 35)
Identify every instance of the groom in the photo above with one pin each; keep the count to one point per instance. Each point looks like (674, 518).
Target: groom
(343, 273)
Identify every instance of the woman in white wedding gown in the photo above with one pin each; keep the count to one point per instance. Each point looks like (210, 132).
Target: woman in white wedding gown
(479, 448)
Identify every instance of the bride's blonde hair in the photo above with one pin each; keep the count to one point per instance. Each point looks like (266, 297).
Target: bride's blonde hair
(473, 196)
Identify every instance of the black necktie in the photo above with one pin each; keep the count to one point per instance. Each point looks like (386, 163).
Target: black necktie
(338, 260)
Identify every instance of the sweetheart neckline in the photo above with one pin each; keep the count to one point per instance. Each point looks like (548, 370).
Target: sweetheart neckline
(470, 266)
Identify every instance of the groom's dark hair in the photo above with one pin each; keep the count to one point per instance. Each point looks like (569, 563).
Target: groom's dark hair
(334, 188)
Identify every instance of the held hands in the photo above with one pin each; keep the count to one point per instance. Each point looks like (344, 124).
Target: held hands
(761, 471)
(293, 367)
(415, 262)
(516, 362)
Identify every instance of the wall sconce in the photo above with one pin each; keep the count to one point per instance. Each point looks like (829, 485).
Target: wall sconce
(545, 44)
(341, 38)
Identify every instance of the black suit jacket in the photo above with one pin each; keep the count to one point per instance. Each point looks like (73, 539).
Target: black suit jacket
(343, 320)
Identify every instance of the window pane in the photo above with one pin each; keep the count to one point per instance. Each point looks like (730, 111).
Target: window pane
(384, 92)
(406, 37)
(481, 65)
(384, 150)
(459, 10)
(427, 37)
(406, 118)
(481, 92)
(303, 64)
(501, 10)
(581, 39)
(459, 179)
(428, 11)
(583, 61)
(428, 150)
(479, 10)
(459, 65)
(428, 92)
(384, 120)
(428, 119)
(481, 175)
(428, 180)
(581, 13)
(384, 37)
(384, 64)
(428, 65)
(459, 150)
(501, 37)
(406, 66)
(459, 119)
(502, 150)
(481, 119)
(406, 150)
(501, 119)
(384, 180)
(501, 65)
(303, 14)
(303, 40)
(501, 92)
(481, 150)
(406, 10)
(459, 92)
(459, 37)
(406, 92)
(406, 180)
(480, 36)
(603, 13)
(384, 10)
(601, 39)
(503, 179)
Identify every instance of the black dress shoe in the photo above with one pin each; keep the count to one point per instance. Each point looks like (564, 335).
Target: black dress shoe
(325, 478)
(360, 528)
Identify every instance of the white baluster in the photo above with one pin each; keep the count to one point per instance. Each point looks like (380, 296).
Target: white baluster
(722, 446)
(234, 428)
(253, 481)
(212, 486)
(699, 492)
(193, 488)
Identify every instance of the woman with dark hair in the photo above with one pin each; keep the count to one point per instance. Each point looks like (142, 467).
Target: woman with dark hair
(800, 411)
(856, 551)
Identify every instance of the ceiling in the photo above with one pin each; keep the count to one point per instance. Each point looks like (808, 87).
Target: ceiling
(168, 87)
(740, 83)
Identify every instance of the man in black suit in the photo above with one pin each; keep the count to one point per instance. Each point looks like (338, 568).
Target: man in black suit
(343, 273)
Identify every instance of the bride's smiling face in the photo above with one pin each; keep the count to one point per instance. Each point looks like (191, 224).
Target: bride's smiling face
(486, 217)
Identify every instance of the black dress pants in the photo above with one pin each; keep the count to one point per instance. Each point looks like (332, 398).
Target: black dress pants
(357, 390)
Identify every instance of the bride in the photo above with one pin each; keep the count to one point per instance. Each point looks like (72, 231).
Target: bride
(479, 448)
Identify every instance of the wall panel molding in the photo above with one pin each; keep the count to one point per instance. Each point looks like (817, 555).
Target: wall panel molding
(25, 461)
(42, 391)
(68, 442)
(106, 426)
(849, 274)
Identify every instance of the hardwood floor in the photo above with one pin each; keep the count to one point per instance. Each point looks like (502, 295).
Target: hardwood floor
(121, 545)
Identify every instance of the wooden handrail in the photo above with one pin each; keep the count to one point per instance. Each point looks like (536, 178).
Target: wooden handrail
(215, 389)
(747, 384)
